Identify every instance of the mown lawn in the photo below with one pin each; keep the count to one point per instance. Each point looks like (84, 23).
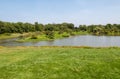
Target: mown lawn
(59, 63)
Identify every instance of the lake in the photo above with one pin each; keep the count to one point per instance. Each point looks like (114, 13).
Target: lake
(85, 40)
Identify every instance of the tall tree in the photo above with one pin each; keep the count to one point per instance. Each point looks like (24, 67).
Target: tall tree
(37, 26)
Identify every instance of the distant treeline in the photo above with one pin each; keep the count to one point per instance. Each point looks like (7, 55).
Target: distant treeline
(108, 29)
(19, 27)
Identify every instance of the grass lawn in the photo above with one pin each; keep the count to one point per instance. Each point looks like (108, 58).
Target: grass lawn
(59, 63)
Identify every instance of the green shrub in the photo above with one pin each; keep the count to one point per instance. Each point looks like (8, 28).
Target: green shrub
(72, 33)
(7, 34)
(34, 37)
(21, 36)
(66, 35)
(50, 34)
(60, 32)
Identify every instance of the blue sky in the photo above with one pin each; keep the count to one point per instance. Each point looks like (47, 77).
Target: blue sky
(58, 11)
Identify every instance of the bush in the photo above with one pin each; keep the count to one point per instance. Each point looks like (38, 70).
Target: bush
(60, 32)
(37, 33)
(72, 34)
(65, 35)
(21, 36)
(49, 34)
(7, 34)
(34, 37)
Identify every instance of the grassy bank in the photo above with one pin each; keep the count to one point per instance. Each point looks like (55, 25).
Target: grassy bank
(8, 35)
(13, 35)
(59, 63)
(40, 36)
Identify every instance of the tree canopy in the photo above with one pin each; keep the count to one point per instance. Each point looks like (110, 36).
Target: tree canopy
(19, 27)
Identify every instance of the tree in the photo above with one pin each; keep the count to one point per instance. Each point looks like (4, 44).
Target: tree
(83, 27)
(41, 27)
(49, 27)
(37, 26)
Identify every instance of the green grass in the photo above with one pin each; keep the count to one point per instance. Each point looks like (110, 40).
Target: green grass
(59, 63)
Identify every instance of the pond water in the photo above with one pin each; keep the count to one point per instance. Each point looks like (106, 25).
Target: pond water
(85, 40)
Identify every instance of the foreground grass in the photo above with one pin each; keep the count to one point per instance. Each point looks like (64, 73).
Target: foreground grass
(59, 63)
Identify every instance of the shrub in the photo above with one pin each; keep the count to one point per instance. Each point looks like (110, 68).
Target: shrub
(34, 37)
(60, 32)
(72, 33)
(7, 34)
(49, 34)
(21, 36)
(66, 35)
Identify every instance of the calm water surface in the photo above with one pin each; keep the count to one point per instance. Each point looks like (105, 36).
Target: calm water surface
(86, 40)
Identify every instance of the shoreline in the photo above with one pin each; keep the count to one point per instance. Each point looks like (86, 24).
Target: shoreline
(86, 47)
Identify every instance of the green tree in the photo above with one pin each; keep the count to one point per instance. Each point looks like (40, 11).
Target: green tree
(37, 26)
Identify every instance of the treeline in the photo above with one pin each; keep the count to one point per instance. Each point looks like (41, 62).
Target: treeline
(19, 27)
(7, 27)
(108, 29)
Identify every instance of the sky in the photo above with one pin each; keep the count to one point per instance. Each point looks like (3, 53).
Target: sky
(58, 11)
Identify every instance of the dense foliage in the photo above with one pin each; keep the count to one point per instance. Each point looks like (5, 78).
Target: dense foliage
(19, 27)
(108, 29)
(7, 27)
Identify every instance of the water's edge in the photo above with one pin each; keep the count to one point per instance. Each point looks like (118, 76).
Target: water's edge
(84, 40)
